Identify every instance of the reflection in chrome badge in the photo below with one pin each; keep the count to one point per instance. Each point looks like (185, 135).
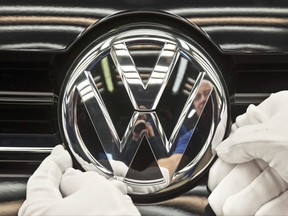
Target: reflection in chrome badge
(144, 105)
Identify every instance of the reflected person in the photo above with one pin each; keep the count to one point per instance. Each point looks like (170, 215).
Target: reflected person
(142, 136)
(199, 133)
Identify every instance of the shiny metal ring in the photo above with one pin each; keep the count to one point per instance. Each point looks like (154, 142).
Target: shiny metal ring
(145, 105)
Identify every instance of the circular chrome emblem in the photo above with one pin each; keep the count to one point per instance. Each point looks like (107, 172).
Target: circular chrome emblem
(144, 105)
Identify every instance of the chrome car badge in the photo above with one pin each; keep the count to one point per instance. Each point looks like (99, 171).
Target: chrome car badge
(144, 105)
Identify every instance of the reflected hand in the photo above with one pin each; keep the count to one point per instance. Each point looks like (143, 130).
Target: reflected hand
(142, 128)
(251, 176)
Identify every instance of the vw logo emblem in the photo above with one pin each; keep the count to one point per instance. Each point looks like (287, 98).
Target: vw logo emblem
(144, 105)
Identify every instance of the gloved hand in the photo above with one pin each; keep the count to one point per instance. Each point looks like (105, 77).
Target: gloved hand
(250, 177)
(81, 193)
(120, 170)
(92, 194)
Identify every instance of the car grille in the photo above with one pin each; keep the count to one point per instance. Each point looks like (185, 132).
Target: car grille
(30, 85)
(28, 106)
(254, 78)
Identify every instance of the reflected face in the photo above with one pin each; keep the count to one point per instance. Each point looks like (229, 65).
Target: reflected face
(202, 96)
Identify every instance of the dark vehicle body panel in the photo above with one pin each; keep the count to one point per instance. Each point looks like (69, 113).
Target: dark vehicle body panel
(233, 26)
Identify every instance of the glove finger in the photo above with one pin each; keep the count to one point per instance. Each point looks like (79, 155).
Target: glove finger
(74, 180)
(120, 185)
(277, 206)
(237, 179)
(267, 141)
(71, 171)
(264, 188)
(45, 181)
(96, 195)
(263, 112)
(271, 147)
(119, 168)
(217, 172)
(61, 157)
(70, 181)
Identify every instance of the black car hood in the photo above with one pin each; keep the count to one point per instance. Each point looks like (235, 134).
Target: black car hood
(233, 26)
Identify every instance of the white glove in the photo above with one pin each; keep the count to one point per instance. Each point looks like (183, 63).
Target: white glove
(92, 194)
(120, 170)
(81, 193)
(251, 176)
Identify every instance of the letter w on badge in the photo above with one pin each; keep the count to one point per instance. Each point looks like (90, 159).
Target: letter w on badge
(144, 98)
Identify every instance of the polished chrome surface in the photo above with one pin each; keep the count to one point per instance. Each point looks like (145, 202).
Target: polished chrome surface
(33, 98)
(249, 98)
(26, 149)
(233, 26)
(132, 80)
(144, 105)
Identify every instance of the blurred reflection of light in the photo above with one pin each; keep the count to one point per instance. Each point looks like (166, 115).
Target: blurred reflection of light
(185, 92)
(97, 79)
(191, 113)
(160, 69)
(85, 90)
(29, 9)
(188, 85)
(144, 69)
(239, 20)
(129, 69)
(98, 83)
(143, 52)
(245, 46)
(39, 28)
(47, 19)
(242, 24)
(107, 74)
(135, 82)
(109, 156)
(180, 75)
(42, 24)
(32, 45)
(255, 29)
(230, 10)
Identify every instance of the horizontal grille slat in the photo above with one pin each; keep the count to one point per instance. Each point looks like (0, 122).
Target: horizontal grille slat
(28, 98)
(28, 106)
(254, 78)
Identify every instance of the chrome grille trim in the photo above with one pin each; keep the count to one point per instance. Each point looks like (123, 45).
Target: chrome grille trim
(29, 98)
(248, 98)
